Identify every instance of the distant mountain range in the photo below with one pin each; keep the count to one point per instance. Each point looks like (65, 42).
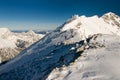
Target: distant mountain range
(12, 43)
(36, 31)
(83, 48)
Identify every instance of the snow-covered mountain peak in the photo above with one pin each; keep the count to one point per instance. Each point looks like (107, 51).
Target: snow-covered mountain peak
(112, 19)
(92, 25)
(110, 14)
(75, 16)
(75, 39)
(31, 32)
(12, 43)
(81, 27)
(4, 31)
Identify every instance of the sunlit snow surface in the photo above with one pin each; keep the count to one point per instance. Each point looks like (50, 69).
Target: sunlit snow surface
(71, 52)
(94, 64)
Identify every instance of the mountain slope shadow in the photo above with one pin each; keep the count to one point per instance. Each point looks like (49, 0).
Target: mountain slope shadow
(40, 67)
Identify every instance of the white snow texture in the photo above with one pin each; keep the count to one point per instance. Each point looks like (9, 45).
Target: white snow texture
(83, 48)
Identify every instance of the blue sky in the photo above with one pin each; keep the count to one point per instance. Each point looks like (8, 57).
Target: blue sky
(49, 14)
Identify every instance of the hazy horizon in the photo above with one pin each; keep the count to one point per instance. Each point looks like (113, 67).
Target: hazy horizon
(49, 14)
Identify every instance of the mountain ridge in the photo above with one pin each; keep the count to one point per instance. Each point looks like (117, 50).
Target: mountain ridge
(12, 43)
(61, 47)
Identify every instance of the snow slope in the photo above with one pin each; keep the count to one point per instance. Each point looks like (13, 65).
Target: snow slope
(72, 44)
(96, 63)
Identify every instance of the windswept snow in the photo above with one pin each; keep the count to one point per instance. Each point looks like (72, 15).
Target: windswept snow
(101, 63)
(83, 48)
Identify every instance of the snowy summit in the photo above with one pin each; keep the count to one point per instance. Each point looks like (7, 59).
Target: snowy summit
(83, 48)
